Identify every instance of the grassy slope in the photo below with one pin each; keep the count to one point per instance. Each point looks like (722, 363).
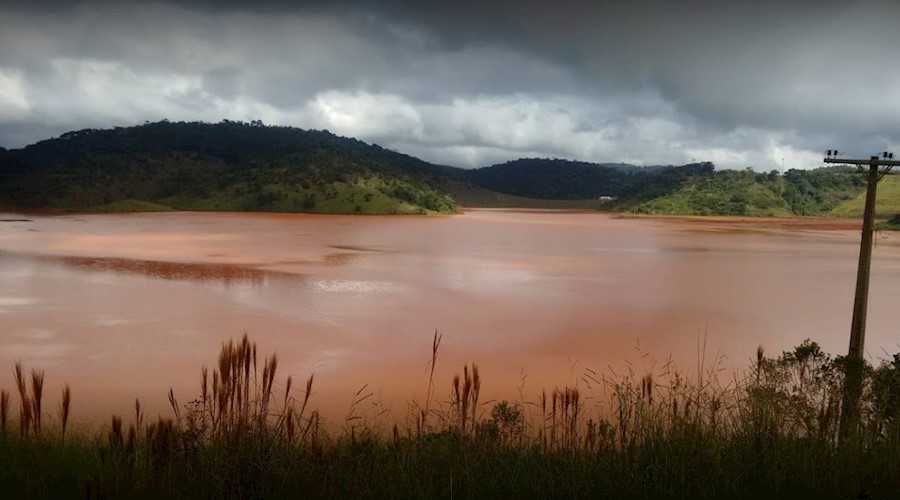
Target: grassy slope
(745, 193)
(695, 200)
(724, 193)
(887, 200)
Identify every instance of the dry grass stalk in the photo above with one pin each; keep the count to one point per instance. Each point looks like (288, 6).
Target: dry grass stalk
(4, 410)
(295, 417)
(230, 405)
(647, 388)
(138, 414)
(37, 391)
(435, 345)
(561, 415)
(268, 378)
(287, 392)
(352, 416)
(174, 404)
(542, 433)
(25, 407)
(476, 392)
(466, 391)
(284, 419)
(759, 361)
(131, 441)
(204, 384)
(565, 414)
(116, 439)
(306, 395)
(25, 420)
(65, 407)
(237, 408)
(160, 443)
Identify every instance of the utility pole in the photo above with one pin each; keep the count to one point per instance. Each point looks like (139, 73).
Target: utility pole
(855, 362)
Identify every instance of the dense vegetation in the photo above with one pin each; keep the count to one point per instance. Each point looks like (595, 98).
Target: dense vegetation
(771, 432)
(223, 166)
(250, 166)
(555, 179)
(701, 190)
(693, 189)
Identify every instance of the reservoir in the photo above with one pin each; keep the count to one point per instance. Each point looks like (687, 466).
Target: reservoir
(126, 306)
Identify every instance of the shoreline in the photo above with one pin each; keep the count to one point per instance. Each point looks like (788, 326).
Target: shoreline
(822, 222)
(819, 222)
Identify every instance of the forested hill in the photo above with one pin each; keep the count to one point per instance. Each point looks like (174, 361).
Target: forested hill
(253, 167)
(699, 189)
(222, 166)
(692, 189)
(555, 179)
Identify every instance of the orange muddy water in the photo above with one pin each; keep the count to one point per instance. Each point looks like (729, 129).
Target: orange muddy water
(125, 306)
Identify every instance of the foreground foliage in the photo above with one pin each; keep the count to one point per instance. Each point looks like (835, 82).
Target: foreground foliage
(771, 433)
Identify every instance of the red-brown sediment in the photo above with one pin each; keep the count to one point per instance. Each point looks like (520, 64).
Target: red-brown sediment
(124, 306)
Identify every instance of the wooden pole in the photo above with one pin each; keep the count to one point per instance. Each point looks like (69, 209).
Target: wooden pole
(858, 326)
(853, 374)
(855, 362)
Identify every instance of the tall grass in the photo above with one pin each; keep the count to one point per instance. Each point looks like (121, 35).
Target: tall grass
(770, 431)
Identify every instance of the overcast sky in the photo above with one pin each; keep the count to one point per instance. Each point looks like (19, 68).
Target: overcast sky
(471, 83)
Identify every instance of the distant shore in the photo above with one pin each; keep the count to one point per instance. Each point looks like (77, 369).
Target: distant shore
(824, 223)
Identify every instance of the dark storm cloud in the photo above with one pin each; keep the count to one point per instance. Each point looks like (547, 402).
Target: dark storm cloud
(470, 83)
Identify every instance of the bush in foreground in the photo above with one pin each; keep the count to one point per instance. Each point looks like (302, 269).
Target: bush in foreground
(771, 433)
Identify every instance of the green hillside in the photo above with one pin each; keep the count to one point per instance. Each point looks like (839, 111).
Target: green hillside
(223, 166)
(700, 190)
(887, 200)
(252, 167)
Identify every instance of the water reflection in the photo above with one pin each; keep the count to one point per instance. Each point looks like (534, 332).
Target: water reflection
(226, 274)
(353, 286)
(340, 259)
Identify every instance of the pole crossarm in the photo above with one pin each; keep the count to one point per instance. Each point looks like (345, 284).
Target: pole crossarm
(862, 164)
(848, 161)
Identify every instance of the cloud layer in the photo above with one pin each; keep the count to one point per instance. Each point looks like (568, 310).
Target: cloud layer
(466, 84)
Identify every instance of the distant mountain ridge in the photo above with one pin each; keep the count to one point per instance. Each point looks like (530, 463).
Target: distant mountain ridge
(253, 167)
(557, 179)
